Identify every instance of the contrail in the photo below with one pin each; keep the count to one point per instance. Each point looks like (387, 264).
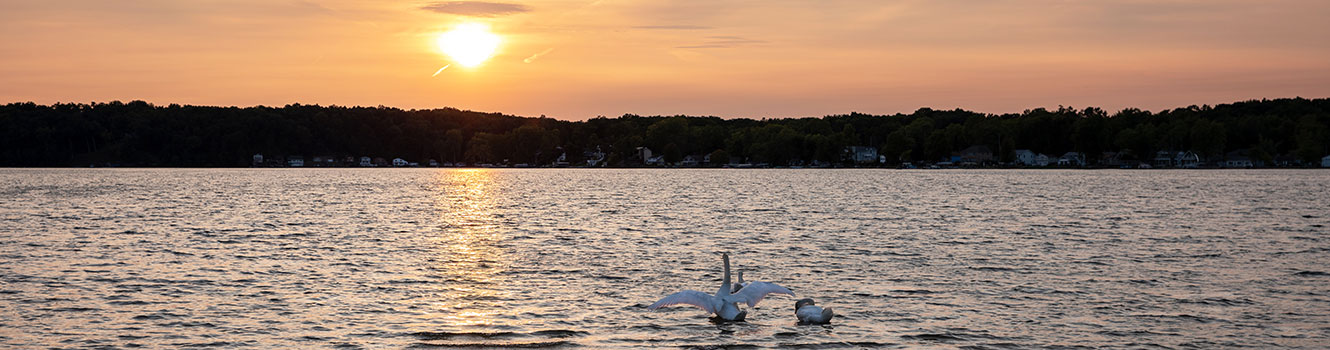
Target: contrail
(537, 55)
(436, 73)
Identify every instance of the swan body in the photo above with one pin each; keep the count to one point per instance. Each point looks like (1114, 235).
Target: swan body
(811, 314)
(725, 303)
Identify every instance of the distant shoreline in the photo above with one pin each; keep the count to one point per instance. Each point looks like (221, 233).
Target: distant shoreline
(1290, 132)
(657, 168)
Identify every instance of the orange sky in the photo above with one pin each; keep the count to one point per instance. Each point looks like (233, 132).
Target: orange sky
(769, 58)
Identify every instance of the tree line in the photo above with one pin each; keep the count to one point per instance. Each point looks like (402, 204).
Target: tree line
(141, 134)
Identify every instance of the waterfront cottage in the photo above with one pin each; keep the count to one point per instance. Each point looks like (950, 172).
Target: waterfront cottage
(691, 160)
(1072, 159)
(1024, 157)
(978, 154)
(1239, 159)
(1187, 159)
(1042, 159)
(861, 154)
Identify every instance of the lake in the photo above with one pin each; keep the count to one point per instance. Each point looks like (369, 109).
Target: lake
(392, 258)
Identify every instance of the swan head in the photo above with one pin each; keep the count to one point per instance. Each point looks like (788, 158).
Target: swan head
(802, 302)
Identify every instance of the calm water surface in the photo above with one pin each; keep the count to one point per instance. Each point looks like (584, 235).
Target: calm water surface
(392, 258)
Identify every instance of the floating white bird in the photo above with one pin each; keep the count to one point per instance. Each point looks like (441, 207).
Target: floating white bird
(811, 314)
(741, 284)
(725, 303)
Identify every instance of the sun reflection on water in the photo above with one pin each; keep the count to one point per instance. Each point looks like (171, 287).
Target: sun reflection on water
(469, 257)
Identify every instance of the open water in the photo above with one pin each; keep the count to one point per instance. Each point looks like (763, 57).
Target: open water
(428, 258)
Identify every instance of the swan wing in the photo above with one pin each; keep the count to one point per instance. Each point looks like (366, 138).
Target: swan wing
(701, 300)
(754, 292)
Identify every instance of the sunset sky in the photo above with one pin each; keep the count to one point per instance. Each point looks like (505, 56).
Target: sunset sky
(579, 59)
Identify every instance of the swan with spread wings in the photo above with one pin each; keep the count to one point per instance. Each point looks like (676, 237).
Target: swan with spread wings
(724, 304)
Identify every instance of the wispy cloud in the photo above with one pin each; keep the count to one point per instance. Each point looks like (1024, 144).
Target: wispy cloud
(436, 73)
(476, 8)
(674, 27)
(724, 41)
(537, 55)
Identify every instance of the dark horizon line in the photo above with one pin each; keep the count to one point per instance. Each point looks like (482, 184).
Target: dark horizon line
(899, 113)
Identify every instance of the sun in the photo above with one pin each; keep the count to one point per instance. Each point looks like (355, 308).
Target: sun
(469, 44)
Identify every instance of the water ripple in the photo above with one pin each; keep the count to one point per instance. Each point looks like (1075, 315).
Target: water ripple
(544, 258)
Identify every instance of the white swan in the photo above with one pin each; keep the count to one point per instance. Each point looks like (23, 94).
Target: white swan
(740, 285)
(725, 303)
(811, 314)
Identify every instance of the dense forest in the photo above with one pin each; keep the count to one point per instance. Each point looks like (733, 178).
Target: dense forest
(141, 134)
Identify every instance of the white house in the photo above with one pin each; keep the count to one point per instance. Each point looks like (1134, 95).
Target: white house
(366, 162)
(691, 160)
(295, 162)
(1024, 157)
(594, 159)
(645, 154)
(657, 160)
(1187, 159)
(1325, 162)
(399, 162)
(562, 160)
(862, 154)
(258, 159)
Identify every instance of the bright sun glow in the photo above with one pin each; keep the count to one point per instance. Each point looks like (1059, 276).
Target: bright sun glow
(469, 44)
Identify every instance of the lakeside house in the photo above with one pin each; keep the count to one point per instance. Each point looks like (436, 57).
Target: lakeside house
(562, 160)
(1024, 157)
(295, 161)
(1188, 159)
(1325, 162)
(594, 158)
(1042, 159)
(644, 154)
(1184, 159)
(861, 154)
(1162, 159)
(656, 160)
(691, 160)
(1072, 159)
(1240, 159)
(977, 154)
(1117, 160)
(366, 162)
(1029, 158)
(400, 162)
(258, 160)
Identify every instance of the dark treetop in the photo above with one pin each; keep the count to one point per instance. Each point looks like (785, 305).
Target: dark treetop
(141, 134)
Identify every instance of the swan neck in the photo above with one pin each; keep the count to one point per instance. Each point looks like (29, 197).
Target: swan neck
(725, 281)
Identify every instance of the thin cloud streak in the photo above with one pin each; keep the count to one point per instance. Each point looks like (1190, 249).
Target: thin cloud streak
(674, 27)
(724, 41)
(477, 8)
(537, 55)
